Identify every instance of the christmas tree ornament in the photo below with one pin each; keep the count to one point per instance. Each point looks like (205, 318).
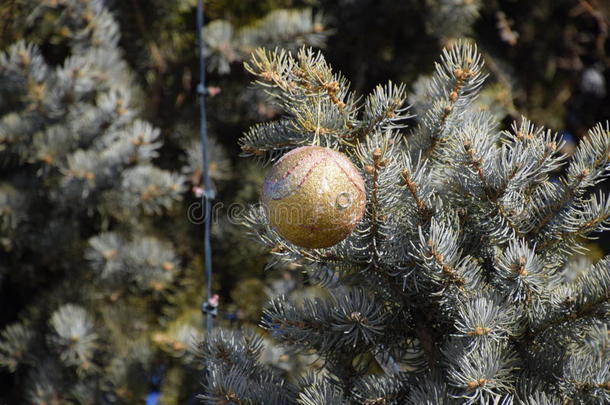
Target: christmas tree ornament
(314, 196)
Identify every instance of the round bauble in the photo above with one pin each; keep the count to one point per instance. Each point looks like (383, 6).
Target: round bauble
(314, 196)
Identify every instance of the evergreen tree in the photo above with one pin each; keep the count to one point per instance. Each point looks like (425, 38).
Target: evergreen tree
(459, 284)
(49, 290)
(99, 272)
(81, 194)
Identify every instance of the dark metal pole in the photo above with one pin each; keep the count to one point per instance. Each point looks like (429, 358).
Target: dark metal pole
(208, 193)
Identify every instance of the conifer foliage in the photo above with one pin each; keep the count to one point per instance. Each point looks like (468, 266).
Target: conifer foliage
(79, 190)
(458, 286)
(95, 248)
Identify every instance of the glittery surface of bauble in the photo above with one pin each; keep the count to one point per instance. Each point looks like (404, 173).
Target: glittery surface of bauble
(314, 196)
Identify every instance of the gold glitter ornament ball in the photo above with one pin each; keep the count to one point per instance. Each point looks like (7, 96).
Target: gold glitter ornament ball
(314, 196)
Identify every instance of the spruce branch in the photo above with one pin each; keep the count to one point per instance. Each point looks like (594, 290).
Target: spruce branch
(591, 156)
(484, 319)
(73, 334)
(286, 28)
(451, 89)
(482, 374)
(524, 175)
(539, 398)
(578, 300)
(320, 392)
(15, 346)
(273, 137)
(429, 389)
(520, 274)
(12, 208)
(385, 109)
(150, 263)
(319, 101)
(375, 390)
(582, 219)
(353, 320)
(414, 181)
(475, 145)
(587, 371)
(151, 189)
(452, 19)
(45, 385)
(440, 259)
(588, 167)
(220, 168)
(106, 254)
(234, 373)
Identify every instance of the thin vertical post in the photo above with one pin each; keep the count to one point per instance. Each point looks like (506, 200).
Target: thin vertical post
(208, 193)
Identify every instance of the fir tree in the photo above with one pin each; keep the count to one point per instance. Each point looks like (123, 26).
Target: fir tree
(459, 284)
(95, 240)
(81, 192)
(50, 291)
